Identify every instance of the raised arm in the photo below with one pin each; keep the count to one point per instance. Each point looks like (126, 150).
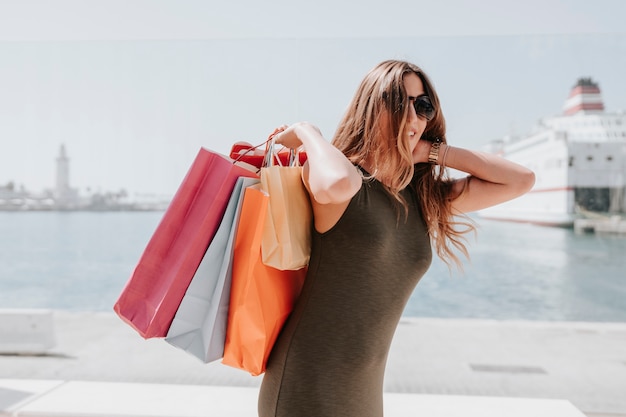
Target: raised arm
(492, 180)
(329, 176)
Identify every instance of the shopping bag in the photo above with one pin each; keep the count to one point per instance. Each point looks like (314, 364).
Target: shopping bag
(199, 326)
(261, 297)
(255, 155)
(286, 240)
(156, 287)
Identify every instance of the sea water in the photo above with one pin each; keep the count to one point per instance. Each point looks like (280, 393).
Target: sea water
(80, 261)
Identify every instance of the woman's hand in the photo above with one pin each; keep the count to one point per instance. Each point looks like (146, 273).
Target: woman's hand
(289, 136)
(421, 151)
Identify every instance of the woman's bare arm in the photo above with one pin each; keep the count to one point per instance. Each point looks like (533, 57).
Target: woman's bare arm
(329, 176)
(492, 179)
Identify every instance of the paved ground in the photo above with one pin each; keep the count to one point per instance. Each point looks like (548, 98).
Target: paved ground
(584, 363)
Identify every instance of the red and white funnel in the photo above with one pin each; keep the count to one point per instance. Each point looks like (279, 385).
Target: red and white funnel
(584, 97)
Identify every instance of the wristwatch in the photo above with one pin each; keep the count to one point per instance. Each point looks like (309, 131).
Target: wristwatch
(434, 151)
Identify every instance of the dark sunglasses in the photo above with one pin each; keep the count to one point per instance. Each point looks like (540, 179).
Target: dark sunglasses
(423, 107)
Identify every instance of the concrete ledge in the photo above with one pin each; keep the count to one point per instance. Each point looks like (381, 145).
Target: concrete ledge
(109, 399)
(26, 332)
(405, 405)
(15, 393)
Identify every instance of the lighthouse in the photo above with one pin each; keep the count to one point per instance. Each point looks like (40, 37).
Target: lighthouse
(64, 195)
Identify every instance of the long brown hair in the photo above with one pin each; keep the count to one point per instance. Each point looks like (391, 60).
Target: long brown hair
(371, 131)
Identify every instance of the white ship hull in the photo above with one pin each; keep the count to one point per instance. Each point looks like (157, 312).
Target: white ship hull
(548, 208)
(579, 160)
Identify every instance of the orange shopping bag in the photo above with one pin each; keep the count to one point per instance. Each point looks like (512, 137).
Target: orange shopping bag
(261, 297)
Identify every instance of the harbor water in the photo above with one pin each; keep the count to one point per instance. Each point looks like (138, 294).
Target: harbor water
(80, 261)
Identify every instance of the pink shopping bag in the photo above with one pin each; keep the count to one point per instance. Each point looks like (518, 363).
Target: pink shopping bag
(156, 287)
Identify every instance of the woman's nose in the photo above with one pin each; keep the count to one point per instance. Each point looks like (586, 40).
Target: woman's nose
(412, 114)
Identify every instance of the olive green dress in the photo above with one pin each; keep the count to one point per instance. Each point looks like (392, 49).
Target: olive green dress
(329, 359)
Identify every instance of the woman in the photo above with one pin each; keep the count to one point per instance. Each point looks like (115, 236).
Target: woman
(380, 199)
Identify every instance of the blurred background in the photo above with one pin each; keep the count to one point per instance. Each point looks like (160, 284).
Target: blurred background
(122, 94)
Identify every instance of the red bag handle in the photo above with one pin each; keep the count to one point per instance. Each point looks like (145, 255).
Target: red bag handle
(248, 153)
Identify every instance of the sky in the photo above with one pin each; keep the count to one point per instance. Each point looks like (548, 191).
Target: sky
(134, 88)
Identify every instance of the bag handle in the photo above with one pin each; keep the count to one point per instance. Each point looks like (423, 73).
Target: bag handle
(271, 154)
(294, 158)
(250, 149)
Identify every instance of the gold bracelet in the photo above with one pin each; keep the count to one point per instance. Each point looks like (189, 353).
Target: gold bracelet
(434, 151)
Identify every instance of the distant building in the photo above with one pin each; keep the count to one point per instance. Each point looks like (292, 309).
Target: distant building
(64, 196)
(63, 173)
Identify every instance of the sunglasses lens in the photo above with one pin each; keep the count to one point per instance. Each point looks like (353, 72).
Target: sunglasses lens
(424, 108)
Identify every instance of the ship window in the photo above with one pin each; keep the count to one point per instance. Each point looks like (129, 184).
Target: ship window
(571, 161)
(589, 158)
(609, 158)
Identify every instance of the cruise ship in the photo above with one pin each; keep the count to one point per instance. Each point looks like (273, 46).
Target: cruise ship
(579, 159)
